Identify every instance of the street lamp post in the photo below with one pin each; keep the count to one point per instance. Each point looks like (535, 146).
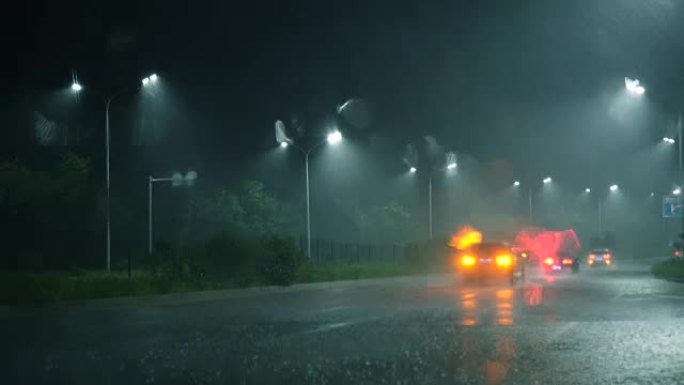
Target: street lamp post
(516, 183)
(176, 180)
(77, 87)
(332, 138)
(450, 166)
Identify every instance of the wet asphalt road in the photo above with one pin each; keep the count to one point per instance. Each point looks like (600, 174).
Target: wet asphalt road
(617, 326)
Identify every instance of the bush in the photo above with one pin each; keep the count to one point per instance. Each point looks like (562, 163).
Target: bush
(430, 254)
(280, 261)
(671, 269)
(228, 255)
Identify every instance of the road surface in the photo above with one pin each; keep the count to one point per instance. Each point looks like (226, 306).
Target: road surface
(617, 326)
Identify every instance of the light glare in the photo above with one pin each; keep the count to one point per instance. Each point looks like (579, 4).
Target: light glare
(677, 191)
(153, 78)
(633, 86)
(283, 144)
(76, 87)
(146, 81)
(516, 183)
(413, 169)
(587, 190)
(613, 188)
(334, 137)
(547, 180)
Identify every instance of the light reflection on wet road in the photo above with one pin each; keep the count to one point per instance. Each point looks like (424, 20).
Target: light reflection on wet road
(607, 326)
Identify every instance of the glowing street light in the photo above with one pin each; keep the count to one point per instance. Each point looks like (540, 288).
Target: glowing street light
(284, 141)
(633, 86)
(677, 191)
(334, 137)
(413, 169)
(668, 140)
(77, 87)
(587, 190)
(516, 183)
(613, 188)
(547, 180)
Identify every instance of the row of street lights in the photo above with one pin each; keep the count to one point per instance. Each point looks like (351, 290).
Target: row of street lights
(77, 88)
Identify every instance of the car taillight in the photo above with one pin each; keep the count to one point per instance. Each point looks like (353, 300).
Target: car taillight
(678, 253)
(548, 261)
(468, 260)
(504, 260)
(567, 261)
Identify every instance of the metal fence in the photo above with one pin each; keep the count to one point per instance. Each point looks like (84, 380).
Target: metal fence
(323, 250)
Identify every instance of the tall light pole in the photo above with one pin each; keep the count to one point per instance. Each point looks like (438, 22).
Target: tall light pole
(517, 183)
(176, 180)
(77, 87)
(334, 137)
(450, 166)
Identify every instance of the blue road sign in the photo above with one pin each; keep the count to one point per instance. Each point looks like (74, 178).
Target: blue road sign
(672, 206)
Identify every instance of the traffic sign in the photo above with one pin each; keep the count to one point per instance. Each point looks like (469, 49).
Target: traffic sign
(672, 206)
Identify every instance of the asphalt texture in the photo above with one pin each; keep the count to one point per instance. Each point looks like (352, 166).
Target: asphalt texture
(601, 326)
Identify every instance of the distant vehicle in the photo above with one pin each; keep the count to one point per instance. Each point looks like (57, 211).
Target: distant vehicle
(600, 257)
(562, 262)
(677, 249)
(489, 260)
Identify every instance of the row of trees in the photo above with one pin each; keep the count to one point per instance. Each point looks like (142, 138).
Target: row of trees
(53, 218)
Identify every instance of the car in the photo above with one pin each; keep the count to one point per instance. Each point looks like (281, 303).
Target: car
(489, 260)
(560, 262)
(600, 257)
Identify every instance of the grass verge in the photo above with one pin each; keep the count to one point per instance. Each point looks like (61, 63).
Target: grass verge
(20, 288)
(671, 269)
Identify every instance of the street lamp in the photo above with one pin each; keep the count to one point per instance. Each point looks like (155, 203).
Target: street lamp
(413, 169)
(332, 138)
(677, 191)
(633, 86)
(76, 87)
(545, 181)
(587, 190)
(613, 188)
(177, 180)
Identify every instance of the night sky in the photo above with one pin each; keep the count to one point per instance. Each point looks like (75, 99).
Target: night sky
(535, 84)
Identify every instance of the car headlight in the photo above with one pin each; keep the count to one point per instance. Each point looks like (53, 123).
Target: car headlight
(504, 260)
(468, 260)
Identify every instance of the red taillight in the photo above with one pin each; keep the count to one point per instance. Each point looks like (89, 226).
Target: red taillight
(567, 261)
(678, 253)
(548, 261)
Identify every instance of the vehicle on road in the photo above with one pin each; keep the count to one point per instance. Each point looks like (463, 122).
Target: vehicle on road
(489, 260)
(600, 257)
(561, 262)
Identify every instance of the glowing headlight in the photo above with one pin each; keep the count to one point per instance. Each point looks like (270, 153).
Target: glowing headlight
(504, 260)
(468, 260)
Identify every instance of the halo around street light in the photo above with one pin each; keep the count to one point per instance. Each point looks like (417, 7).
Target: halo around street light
(668, 140)
(283, 144)
(587, 190)
(516, 183)
(76, 87)
(334, 137)
(547, 180)
(677, 191)
(633, 86)
(613, 187)
(146, 81)
(413, 169)
(451, 166)
(153, 78)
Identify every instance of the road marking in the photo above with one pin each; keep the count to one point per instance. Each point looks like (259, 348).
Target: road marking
(668, 296)
(334, 308)
(329, 327)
